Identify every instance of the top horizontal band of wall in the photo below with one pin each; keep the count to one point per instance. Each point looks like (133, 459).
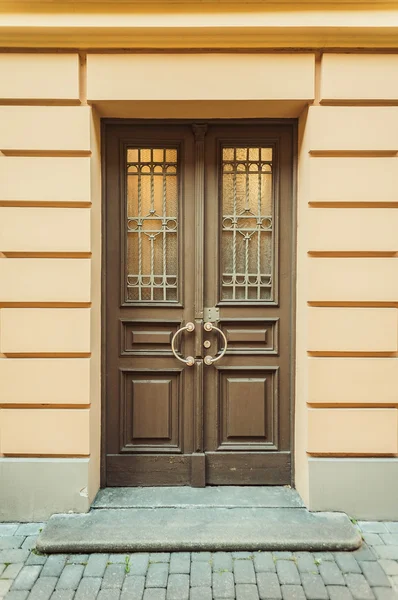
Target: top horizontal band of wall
(39, 76)
(356, 77)
(200, 77)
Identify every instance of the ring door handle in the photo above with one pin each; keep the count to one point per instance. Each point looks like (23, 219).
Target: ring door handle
(209, 360)
(189, 360)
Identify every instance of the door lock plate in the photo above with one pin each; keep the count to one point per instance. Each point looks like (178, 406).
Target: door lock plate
(212, 314)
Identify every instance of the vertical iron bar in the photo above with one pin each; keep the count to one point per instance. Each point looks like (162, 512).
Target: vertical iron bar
(247, 204)
(234, 233)
(259, 231)
(164, 232)
(139, 228)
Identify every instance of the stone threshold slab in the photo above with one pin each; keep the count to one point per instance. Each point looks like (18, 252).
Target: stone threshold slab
(211, 497)
(195, 529)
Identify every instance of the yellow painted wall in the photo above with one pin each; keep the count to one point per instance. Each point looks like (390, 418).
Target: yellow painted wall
(50, 283)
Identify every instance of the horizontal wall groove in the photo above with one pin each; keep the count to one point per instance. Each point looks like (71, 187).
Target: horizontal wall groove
(353, 153)
(43, 204)
(353, 254)
(76, 255)
(38, 101)
(352, 304)
(351, 455)
(46, 354)
(46, 406)
(343, 405)
(45, 304)
(17, 455)
(359, 103)
(353, 354)
(47, 153)
(350, 204)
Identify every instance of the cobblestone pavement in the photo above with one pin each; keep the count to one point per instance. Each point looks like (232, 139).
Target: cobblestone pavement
(369, 573)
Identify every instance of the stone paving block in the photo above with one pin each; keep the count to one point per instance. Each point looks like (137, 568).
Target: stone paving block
(118, 559)
(178, 586)
(96, 565)
(264, 562)
(54, 565)
(63, 595)
(287, 572)
(12, 571)
(374, 539)
(282, 554)
(30, 542)
(383, 593)
(364, 553)
(77, 559)
(246, 591)
(202, 556)
(384, 552)
(387, 538)
(392, 527)
(331, 574)
(88, 588)
(157, 575)
(17, 595)
(159, 557)
(155, 594)
(222, 561)
(268, 586)
(390, 567)
(27, 577)
(244, 571)
(242, 555)
(139, 563)
(347, 562)
(113, 577)
(293, 592)
(180, 562)
(223, 585)
(372, 527)
(36, 559)
(133, 587)
(305, 562)
(70, 577)
(200, 574)
(200, 593)
(314, 587)
(11, 541)
(375, 574)
(394, 581)
(8, 528)
(359, 587)
(30, 529)
(322, 556)
(43, 588)
(339, 592)
(108, 595)
(5, 585)
(13, 556)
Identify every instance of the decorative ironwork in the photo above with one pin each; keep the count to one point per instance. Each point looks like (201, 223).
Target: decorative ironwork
(247, 224)
(152, 225)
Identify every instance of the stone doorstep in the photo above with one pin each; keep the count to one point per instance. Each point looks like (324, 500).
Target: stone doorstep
(198, 528)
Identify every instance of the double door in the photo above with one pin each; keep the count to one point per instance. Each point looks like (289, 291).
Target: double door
(198, 302)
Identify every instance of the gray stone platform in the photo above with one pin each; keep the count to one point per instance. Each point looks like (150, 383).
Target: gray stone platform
(212, 519)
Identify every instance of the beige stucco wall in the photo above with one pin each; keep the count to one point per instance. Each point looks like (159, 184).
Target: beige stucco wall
(50, 246)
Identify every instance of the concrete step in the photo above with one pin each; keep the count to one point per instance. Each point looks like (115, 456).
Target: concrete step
(174, 519)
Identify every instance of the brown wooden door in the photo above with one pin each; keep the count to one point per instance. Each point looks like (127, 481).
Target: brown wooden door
(198, 229)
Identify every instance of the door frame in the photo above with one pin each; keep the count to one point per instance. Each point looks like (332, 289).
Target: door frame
(293, 123)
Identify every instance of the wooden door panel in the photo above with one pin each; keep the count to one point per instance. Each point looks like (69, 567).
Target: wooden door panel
(151, 415)
(248, 409)
(251, 336)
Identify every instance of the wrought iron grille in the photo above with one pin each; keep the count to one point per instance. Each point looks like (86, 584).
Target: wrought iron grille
(152, 225)
(247, 224)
